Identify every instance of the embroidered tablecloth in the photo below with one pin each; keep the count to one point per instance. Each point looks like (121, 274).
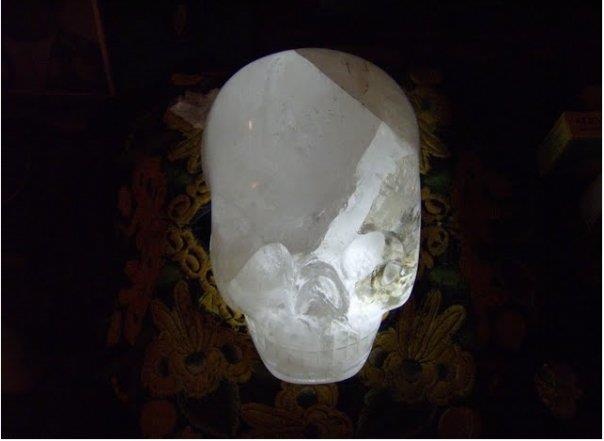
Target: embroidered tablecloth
(184, 365)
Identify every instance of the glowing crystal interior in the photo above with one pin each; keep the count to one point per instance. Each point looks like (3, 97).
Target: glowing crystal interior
(311, 156)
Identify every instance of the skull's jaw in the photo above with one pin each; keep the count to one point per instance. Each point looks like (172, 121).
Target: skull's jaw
(310, 323)
(321, 361)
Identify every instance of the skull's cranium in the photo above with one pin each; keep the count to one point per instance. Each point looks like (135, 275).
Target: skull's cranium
(312, 159)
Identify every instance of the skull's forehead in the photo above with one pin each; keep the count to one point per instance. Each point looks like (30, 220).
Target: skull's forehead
(284, 138)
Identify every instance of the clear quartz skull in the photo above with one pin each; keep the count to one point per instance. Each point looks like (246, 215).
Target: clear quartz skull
(311, 156)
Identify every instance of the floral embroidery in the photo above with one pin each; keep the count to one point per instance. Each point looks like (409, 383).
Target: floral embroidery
(192, 352)
(136, 298)
(431, 147)
(195, 366)
(418, 359)
(195, 263)
(435, 238)
(434, 109)
(433, 113)
(435, 206)
(183, 207)
(188, 149)
(147, 200)
(141, 205)
(300, 411)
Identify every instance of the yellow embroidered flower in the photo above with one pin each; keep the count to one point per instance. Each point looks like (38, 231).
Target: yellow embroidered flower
(192, 352)
(431, 146)
(435, 207)
(418, 360)
(195, 263)
(184, 206)
(435, 238)
(435, 241)
(188, 148)
(434, 107)
(433, 112)
(300, 411)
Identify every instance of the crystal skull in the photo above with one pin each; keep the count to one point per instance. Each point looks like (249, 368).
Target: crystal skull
(311, 156)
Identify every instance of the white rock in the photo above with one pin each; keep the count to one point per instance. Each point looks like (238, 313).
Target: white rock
(363, 255)
(312, 159)
(266, 281)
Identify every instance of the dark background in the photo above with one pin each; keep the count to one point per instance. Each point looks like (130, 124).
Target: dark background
(510, 69)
